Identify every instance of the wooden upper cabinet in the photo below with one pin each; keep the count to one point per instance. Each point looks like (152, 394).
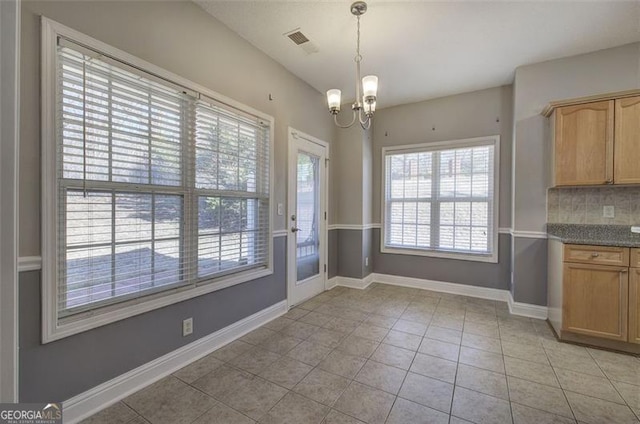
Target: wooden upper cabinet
(634, 305)
(583, 150)
(627, 141)
(595, 300)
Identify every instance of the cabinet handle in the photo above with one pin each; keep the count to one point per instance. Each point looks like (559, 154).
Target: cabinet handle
(595, 254)
(624, 271)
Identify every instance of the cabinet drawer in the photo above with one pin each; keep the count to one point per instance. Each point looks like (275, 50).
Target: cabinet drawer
(635, 258)
(602, 255)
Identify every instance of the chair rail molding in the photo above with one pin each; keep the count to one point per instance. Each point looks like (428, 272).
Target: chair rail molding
(29, 263)
(354, 226)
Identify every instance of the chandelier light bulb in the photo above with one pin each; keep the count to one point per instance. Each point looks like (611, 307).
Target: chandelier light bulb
(370, 86)
(333, 100)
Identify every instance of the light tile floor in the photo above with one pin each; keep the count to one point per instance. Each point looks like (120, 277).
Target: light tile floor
(394, 355)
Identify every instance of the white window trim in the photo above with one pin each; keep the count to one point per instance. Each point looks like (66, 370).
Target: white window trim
(52, 327)
(439, 145)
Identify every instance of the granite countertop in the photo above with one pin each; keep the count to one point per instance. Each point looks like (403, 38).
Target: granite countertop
(598, 235)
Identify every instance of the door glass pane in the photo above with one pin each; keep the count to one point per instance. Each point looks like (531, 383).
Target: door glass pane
(307, 211)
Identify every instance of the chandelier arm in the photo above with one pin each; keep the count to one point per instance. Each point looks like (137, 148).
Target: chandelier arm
(335, 120)
(361, 119)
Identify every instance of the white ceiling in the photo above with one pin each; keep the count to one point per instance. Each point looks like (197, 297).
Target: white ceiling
(423, 50)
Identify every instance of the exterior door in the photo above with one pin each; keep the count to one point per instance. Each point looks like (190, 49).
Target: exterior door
(306, 218)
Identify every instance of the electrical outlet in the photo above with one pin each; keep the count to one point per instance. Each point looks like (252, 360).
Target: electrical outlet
(280, 209)
(608, 212)
(366, 261)
(187, 327)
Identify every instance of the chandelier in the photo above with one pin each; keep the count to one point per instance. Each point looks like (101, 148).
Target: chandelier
(363, 107)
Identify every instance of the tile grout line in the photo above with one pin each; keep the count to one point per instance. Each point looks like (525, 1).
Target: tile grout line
(561, 388)
(406, 374)
(506, 376)
(455, 379)
(637, 414)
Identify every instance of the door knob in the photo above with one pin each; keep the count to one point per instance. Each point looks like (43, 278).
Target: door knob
(295, 229)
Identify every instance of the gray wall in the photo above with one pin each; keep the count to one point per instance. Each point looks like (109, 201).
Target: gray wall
(529, 270)
(181, 38)
(367, 177)
(367, 251)
(332, 260)
(9, 96)
(352, 166)
(350, 253)
(347, 162)
(455, 117)
(481, 274)
(353, 247)
(61, 369)
(535, 85)
(352, 163)
(475, 114)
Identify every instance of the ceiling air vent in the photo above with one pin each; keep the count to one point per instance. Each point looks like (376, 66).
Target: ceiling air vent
(300, 40)
(297, 37)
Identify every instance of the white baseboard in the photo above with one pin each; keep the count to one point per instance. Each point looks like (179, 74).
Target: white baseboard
(527, 309)
(331, 283)
(354, 283)
(515, 308)
(444, 287)
(88, 403)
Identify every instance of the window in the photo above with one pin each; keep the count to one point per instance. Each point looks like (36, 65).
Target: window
(440, 199)
(160, 190)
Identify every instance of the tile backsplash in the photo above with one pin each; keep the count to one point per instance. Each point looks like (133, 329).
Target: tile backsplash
(585, 205)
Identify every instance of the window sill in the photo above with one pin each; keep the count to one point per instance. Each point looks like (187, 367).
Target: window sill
(55, 329)
(491, 258)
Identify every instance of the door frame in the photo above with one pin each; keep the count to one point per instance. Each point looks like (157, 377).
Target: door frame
(292, 136)
(9, 162)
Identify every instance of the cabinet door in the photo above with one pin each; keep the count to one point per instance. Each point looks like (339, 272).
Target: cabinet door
(634, 305)
(627, 141)
(595, 300)
(584, 144)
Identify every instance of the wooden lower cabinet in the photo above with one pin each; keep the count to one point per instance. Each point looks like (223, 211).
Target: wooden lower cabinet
(634, 305)
(596, 300)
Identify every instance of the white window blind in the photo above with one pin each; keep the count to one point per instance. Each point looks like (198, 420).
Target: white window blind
(158, 187)
(441, 198)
